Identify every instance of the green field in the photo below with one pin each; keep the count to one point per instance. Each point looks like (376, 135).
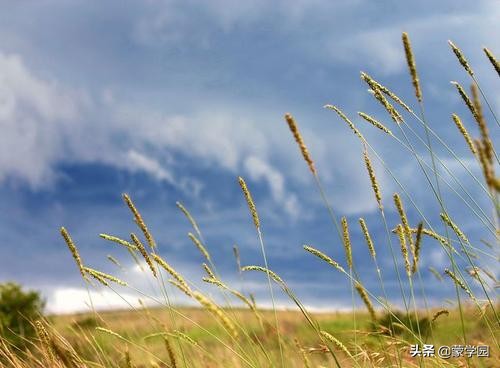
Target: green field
(140, 328)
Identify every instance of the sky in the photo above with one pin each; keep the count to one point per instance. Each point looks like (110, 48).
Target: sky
(173, 100)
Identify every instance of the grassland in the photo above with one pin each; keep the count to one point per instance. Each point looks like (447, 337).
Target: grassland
(140, 328)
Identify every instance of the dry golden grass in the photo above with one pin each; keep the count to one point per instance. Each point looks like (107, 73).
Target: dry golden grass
(140, 327)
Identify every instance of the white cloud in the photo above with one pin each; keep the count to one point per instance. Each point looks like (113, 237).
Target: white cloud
(35, 115)
(212, 134)
(139, 161)
(71, 300)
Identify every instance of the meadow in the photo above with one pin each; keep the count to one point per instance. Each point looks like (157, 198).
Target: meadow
(140, 328)
(241, 333)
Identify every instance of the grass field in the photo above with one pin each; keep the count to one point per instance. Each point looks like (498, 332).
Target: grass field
(140, 328)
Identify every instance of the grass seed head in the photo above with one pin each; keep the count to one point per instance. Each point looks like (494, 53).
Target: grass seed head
(336, 342)
(375, 122)
(144, 253)
(139, 221)
(394, 114)
(272, 274)
(199, 245)
(492, 59)
(366, 300)
(410, 60)
(120, 241)
(466, 100)
(481, 122)
(300, 141)
(418, 245)
(347, 241)
(99, 278)
(376, 86)
(404, 221)
(208, 270)
(170, 352)
(185, 337)
(324, 257)
(236, 254)
(368, 238)
(461, 58)
(101, 275)
(236, 293)
(373, 178)
(250, 202)
(181, 287)
(439, 313)
(347, 120)
(176, 275)
(464, 132)
(45, 340)
(435, 273)
(74, 251)
(128, 359)
(447, 220)
(113, 260)
(487, 167)
(303, 353)
(404, 250)
(459, 282)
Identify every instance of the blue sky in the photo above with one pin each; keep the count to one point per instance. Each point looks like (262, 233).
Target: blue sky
(172, 100)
